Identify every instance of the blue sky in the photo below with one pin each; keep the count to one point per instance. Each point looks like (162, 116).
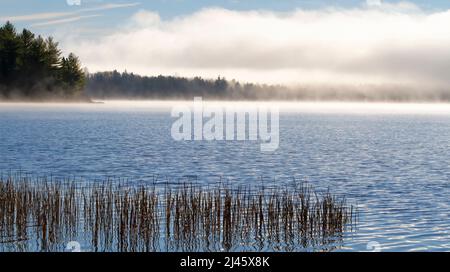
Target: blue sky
(92, 15)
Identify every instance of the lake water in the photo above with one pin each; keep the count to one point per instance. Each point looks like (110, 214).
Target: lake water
(391, 160)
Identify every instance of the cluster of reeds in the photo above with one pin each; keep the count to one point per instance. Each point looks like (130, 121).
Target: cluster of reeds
(45, 215)
(45, 210)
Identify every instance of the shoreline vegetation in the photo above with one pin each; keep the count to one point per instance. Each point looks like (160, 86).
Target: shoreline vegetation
(33, 70)
(46, 214)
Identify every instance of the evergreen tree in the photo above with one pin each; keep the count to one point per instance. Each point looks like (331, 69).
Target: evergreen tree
(71, 75)
(32, 66)
(9, 47)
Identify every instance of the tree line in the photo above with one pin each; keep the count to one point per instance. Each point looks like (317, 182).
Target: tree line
(31, 67)
(124, 85)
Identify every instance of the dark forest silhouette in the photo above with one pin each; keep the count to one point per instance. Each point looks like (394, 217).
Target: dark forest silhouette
(31, 67)
(116, 85)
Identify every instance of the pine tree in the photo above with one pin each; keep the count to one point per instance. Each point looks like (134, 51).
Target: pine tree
(9, 45)
(72, 75)
(33, 67)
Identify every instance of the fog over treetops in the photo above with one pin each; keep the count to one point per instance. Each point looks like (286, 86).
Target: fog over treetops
(373, 52)
(384, 44)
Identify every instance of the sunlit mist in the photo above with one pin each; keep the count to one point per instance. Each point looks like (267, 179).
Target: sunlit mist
(370, 44)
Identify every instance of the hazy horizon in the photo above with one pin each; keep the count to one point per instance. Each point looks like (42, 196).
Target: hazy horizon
(336, 43)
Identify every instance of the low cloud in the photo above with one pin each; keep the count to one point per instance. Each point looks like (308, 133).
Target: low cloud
(376, 43)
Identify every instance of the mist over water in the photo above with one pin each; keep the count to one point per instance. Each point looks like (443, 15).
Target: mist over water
(390, 159)
(165, 106)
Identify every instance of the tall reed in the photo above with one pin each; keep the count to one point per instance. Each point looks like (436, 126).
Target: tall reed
(45, 214)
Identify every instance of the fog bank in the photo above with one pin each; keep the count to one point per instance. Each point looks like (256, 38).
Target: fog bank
(377, 44)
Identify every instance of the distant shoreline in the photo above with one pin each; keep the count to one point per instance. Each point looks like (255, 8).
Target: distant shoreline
(206, 99)
(49, 101)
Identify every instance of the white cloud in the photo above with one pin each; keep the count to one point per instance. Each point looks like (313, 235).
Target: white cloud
(401, 6)
(374, 2)
(35, 16)
(389, 44)
(65, 20)
(62, 15)
(73, 2)
(111, 6)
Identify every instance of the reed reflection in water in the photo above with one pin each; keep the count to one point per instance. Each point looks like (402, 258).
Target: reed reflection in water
(45, 214)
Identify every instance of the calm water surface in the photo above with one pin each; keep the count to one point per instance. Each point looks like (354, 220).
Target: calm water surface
(390, 160)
